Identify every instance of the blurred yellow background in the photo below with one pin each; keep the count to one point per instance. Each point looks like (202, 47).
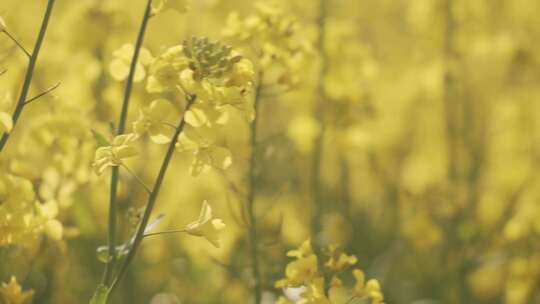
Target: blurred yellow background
(421, 117)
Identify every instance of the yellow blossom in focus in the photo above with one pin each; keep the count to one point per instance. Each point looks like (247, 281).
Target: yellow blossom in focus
(165, 70)
(12, 293)
(206, 154)
(206, 226)
(109, 156)
(152, 120)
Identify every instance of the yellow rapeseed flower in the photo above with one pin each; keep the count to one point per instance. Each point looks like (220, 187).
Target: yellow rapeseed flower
(152, 120)
(12, 293)
(110, 156)
(206, 226)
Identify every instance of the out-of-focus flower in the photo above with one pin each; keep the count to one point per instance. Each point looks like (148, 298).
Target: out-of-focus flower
(180, 6)
(282, 49)
(152, 120)
(109, 156)
(6, 123)
(12, 293)
(48, 212)
(120, 65)
(18, 221)
(206, 226)
(302, 131)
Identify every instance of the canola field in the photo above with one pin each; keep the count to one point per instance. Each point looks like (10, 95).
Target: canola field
(270, 151)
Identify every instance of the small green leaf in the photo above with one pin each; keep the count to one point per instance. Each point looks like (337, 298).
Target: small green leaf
(100, 139)
(100, 295)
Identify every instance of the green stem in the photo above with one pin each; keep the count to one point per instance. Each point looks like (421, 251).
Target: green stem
(319, 112)
(109, 267)
(165, 232)
(19, 45)
(449, 100)
(38, 96)
(139, 235)
(137, 178)
(252, 193)
(29, 71)
(345, 181)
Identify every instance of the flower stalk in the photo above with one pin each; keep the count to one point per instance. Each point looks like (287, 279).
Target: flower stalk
(251, 194)
(112, 233)
(319, 113)
(29, 71)
(139, 235)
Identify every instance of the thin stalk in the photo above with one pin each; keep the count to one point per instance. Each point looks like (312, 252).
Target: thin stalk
(47, 91)
(449, 97)
(109, 267)
(139, 235)
(137, 178)
(165, 232)
(319, 140)
(345, 181)
(455, 114)
(252, 194)
(29, 71)
(19, 45)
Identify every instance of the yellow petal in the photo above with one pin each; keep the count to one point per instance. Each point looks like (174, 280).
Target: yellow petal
(54, 230)
(6, 123)
(160, 109)
(119, 69)
(196, 117)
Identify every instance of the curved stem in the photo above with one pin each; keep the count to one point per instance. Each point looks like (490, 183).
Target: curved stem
(29, 71)
(152, 199)
(107, 275)
(252, 193)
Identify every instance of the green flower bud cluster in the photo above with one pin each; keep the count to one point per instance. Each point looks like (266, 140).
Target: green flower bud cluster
(209, 59)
